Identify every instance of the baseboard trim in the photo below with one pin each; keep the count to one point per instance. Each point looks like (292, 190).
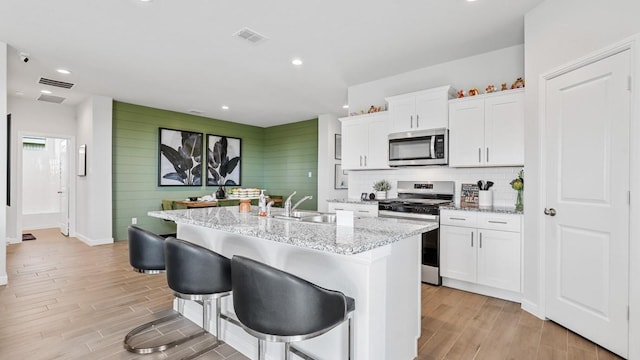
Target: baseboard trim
(4, 280)
(531, 308)
(93, 242)
(11, 240)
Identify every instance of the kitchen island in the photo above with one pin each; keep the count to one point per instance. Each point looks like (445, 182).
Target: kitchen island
(376, 262)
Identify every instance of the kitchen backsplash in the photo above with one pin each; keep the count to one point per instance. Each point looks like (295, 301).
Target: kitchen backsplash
(503, 194)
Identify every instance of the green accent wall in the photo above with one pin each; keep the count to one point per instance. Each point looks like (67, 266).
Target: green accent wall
(291, 152)
(272, 158)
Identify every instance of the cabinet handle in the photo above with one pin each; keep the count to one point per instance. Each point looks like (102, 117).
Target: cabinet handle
(338, 208)
(365, 160)
(471, 239)
(411, 117)
(487, 155)
(455, 218)
(497, 222)
(479, 155)
(480, 240)
(363, 211)
(417, 121)
(360, 160)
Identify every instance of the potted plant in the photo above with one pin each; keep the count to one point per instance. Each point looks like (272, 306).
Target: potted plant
(381, 187)
(517, 184)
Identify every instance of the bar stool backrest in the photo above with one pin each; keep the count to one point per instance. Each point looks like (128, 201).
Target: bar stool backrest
(273, 302)
(146, 250)
(193, 269)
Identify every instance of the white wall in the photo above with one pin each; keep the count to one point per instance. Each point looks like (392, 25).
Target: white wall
(3, 163)
(30, 117)
(328, 126)
(94, 198)
(557, 32)
(495, 67)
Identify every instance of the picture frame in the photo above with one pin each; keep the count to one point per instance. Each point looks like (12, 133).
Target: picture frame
(82, 160)
(341, 179)
(179, 157)
(469, 195)
(224, 161)
(338, 147)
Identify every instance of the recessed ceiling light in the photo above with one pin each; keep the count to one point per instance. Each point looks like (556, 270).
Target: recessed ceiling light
(64, 71)
(471, 0)
(45, 91)
(225, 107)
(296, 62)
(345, 106)
(146, 0)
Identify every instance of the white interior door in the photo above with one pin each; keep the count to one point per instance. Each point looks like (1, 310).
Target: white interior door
(587, 181)
(63, 157)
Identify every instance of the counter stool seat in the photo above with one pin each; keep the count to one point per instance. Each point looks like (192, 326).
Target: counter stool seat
(146, 255)
(273, 305)
(199, 274)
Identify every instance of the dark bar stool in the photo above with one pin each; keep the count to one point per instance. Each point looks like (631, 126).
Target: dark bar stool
(199, 274)
(273, 305)
(146, 255)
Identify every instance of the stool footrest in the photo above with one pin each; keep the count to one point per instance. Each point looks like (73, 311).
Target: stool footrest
(152, 349)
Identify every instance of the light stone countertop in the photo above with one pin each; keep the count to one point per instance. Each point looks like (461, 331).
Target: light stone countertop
(367, 233)
(493, 209)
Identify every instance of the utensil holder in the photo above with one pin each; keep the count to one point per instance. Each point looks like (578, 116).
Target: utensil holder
(485, 198)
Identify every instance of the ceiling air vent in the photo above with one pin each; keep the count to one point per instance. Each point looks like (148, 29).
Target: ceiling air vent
(56, 83)
(52, 99)
(250, 35)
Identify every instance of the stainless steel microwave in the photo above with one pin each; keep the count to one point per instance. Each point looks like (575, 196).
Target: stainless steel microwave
(422, 147)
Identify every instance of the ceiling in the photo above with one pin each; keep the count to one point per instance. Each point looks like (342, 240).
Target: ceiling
(182, 55)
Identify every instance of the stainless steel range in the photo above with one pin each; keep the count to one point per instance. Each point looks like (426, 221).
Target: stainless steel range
(421, 201)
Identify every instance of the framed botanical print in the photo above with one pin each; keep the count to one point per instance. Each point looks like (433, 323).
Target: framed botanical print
(179, 158)
(223, 160)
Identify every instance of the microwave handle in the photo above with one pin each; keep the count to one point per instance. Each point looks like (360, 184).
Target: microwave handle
(432, 155)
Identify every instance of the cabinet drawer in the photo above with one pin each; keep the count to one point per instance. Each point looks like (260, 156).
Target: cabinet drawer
(504, 222)
(358, 209)
(459, 218)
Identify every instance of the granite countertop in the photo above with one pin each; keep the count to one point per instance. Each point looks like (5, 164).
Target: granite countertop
(354, 201)
(493, 209)
(367, 233)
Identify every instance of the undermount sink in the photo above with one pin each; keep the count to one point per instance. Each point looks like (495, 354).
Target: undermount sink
(320, 218)
(308, 216)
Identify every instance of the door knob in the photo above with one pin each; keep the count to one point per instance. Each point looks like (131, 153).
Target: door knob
(550, 212)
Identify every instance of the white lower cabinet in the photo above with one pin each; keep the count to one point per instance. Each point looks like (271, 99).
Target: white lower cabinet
(481, 248)
(363, 210)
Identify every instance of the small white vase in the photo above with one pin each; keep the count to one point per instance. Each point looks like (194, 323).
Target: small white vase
(381, 195)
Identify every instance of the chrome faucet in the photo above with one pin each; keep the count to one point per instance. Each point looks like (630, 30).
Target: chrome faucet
(288, 209)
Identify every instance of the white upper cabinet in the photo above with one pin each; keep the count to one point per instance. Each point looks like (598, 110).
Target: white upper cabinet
(364, 141)
(487, 130)
(421, 110)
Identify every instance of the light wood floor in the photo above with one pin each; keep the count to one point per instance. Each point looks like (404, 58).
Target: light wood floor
(66, 300)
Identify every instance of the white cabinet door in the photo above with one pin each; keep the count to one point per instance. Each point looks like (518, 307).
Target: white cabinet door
(499, 259)
(377, 156)
(458, 252)
(354, 144)
(432, 110)
(504, 130)
(466, 133)
(402, 110)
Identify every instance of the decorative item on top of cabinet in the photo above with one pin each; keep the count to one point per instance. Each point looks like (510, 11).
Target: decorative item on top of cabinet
(487, 130)
(362, 137)
(421, 110)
